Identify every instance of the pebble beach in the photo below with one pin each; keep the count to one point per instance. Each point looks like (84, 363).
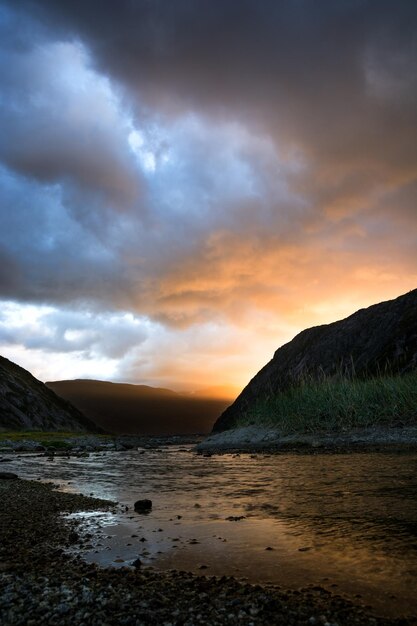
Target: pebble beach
(42, 582)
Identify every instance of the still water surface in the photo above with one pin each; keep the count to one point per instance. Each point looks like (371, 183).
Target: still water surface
(346, 522)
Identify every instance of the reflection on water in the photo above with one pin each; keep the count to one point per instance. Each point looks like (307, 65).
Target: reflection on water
(347, 522)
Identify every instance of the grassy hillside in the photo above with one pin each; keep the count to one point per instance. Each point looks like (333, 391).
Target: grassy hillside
(318, 378)
(337, 404)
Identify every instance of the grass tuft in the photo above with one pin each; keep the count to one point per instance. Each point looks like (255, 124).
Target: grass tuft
(47, 437)
(338, 404)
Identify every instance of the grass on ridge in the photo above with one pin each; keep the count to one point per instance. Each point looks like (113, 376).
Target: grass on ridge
(44, 436)
(339, 404)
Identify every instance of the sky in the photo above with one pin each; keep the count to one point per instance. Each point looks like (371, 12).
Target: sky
(185, 185)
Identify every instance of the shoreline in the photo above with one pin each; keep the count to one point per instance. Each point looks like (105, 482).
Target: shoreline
(41, 583)
(243, 439)
(258, 439)
(81, 443)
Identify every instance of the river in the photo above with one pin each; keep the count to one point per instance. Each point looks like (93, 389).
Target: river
(347, 522)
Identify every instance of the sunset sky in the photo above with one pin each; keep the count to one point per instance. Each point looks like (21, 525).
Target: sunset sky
(185, 185)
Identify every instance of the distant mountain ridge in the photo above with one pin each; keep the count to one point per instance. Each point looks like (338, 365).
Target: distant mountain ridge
(111, 387)
(365, 344)
(123, 408)
(27, 404)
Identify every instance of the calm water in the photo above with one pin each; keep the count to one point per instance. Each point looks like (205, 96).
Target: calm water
(346, 522)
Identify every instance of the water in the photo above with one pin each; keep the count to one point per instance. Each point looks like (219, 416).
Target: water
(345, 522)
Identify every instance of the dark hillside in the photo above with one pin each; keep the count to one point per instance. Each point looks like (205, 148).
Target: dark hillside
(27, 404)
(372, 342)
(139, 409)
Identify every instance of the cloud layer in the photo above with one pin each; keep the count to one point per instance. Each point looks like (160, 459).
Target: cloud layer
(210, 169)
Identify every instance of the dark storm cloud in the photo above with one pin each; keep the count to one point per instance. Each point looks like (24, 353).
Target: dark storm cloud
(334, 80)
(64, 128)
(46, 255)
(9, 274)
(315, 64)
(330, 85)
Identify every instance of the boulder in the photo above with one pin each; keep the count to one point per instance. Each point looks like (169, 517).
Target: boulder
(143, 506)
(8, 475)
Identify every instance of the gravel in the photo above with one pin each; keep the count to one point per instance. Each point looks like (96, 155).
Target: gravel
(40, 583)
(262, 439)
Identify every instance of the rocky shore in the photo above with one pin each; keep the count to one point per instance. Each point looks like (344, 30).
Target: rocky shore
(251, 439)
(40, 583)
(51, 443)
(258, 439)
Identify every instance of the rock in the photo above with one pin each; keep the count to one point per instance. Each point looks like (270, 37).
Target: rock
(137, 562)
(235, 518)
(73, 537)
(143, 506)
(8, 475)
